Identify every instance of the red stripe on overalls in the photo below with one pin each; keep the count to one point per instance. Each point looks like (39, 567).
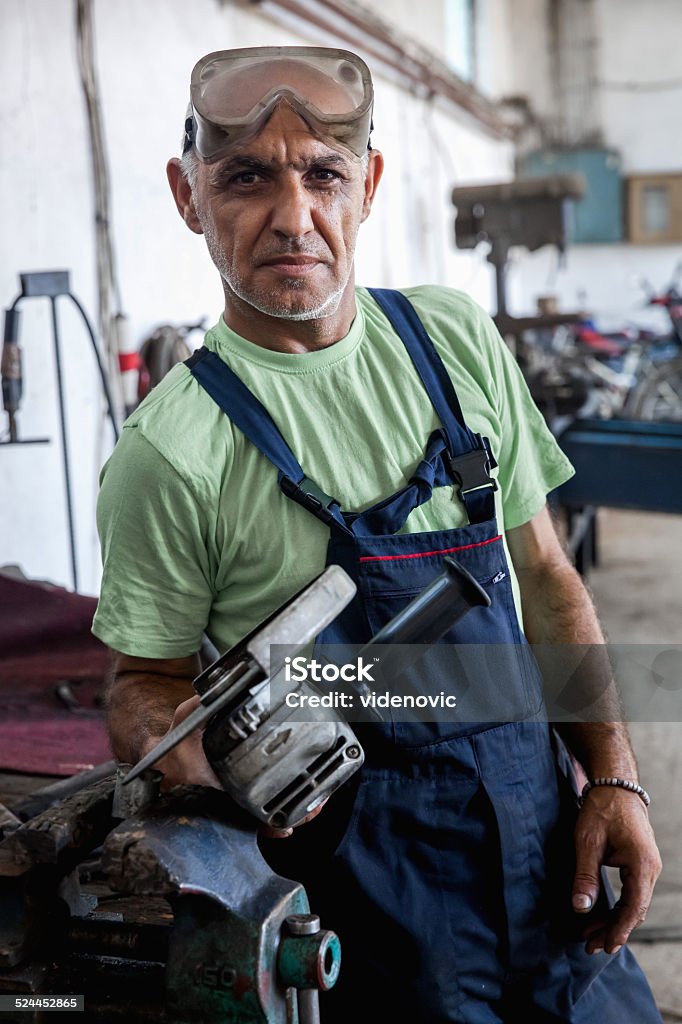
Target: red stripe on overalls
(423, 554)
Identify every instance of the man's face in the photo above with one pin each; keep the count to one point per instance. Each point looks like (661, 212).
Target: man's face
(280, 214)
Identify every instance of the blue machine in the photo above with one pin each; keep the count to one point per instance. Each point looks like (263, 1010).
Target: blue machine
(618, 464)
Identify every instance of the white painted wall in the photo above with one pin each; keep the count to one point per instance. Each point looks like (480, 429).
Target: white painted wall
(427, 29)
(145, 54)
(637, 46)
(495, 51)
(600, 279)
(520, 61)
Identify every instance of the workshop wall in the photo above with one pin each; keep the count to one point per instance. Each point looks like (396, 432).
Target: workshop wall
(145, 52)
(144, 56)
(617, 79)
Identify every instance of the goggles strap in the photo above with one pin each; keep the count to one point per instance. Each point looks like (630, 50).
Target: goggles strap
(189, 134)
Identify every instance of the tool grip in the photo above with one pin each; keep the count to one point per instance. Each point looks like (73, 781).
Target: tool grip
(436, 609)
(10, 367)
(10, 371)
(425, 620)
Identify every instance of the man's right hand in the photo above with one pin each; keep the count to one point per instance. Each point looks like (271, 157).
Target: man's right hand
(147, 698)
(185, 764)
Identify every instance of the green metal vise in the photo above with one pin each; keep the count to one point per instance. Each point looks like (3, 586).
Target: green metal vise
(244, 948)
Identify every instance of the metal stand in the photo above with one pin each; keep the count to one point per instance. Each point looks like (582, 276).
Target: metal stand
(530, 212)
(47, 284)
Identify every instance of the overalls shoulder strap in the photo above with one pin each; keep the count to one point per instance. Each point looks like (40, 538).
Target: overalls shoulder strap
(469, 456)
(255, 422)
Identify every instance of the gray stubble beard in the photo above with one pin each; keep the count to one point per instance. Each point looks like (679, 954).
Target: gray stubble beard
(262, 300)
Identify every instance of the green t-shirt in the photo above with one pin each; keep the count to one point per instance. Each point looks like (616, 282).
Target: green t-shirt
(196, 534)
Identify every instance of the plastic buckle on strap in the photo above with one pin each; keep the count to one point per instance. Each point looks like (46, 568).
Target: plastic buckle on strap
(472, 471)
(310, 496)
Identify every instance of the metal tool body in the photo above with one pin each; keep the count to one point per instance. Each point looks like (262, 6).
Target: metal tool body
(232, 954)
(276, 763)
(273, 765)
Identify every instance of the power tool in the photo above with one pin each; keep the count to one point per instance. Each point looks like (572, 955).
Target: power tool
(273, 761)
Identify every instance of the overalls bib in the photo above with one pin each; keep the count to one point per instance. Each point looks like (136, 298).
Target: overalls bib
(445, 864)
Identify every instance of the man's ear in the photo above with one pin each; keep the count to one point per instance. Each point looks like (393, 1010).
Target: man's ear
(182, 194)
(375, 168)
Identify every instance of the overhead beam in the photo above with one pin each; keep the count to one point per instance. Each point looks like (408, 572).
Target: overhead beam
(413, 66)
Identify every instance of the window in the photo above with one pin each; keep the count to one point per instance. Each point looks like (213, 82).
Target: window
(460, 37)
(655, 208)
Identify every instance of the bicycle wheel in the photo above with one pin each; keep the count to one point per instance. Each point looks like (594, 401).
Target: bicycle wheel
(659, 396)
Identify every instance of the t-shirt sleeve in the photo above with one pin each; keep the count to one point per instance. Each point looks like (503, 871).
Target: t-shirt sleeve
(156, 593)
(531, 462)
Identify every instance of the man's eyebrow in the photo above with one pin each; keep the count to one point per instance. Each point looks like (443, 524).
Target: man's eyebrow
(247, 162)
(329, 159)
(240, 163)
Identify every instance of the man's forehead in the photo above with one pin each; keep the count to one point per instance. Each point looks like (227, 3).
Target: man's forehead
(285, 141)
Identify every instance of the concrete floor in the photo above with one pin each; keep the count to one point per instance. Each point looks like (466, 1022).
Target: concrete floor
(637, 587)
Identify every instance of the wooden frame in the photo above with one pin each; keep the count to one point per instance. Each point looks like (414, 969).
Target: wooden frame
(669, 186)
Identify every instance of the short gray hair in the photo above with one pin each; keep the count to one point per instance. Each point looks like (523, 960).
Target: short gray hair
(190, 167)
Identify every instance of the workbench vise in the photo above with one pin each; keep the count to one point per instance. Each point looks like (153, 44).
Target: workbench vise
(171, 915)
(244, 946)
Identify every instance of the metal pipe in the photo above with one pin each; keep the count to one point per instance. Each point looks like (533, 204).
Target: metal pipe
(65, 447)
(100, 366)
(11, 369)
(308, 998)
(308, 1006)
(501, 288)
(410, 64)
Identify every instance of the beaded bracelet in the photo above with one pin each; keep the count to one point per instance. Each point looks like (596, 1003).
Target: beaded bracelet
(622, 783)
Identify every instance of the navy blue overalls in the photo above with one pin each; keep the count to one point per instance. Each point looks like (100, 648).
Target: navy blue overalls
(445, 864)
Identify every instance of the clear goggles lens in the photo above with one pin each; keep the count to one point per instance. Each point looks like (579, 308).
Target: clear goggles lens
(233, 92)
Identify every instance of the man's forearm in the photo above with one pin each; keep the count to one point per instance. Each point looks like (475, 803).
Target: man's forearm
(140, 710)
(147, 698)
(558, 610)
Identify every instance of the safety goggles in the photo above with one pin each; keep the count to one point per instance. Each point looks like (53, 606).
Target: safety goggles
(234, 92)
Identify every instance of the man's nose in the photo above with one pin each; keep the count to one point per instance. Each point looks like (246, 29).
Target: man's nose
(292, 210)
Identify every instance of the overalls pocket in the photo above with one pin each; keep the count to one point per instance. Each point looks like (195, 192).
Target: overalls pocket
(484, 661)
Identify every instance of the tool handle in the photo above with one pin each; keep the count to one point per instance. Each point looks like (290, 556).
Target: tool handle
(425, 620)
(438, 607)
(10, 364)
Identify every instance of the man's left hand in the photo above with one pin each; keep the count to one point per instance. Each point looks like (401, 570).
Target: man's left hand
(613, 829)
(284, 833)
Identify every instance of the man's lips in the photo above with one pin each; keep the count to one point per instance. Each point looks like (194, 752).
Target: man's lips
(292, 265)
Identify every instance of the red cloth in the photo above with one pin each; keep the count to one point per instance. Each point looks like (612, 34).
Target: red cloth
(45, 640)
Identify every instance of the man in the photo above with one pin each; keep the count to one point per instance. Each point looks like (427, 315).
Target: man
(444, 868)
